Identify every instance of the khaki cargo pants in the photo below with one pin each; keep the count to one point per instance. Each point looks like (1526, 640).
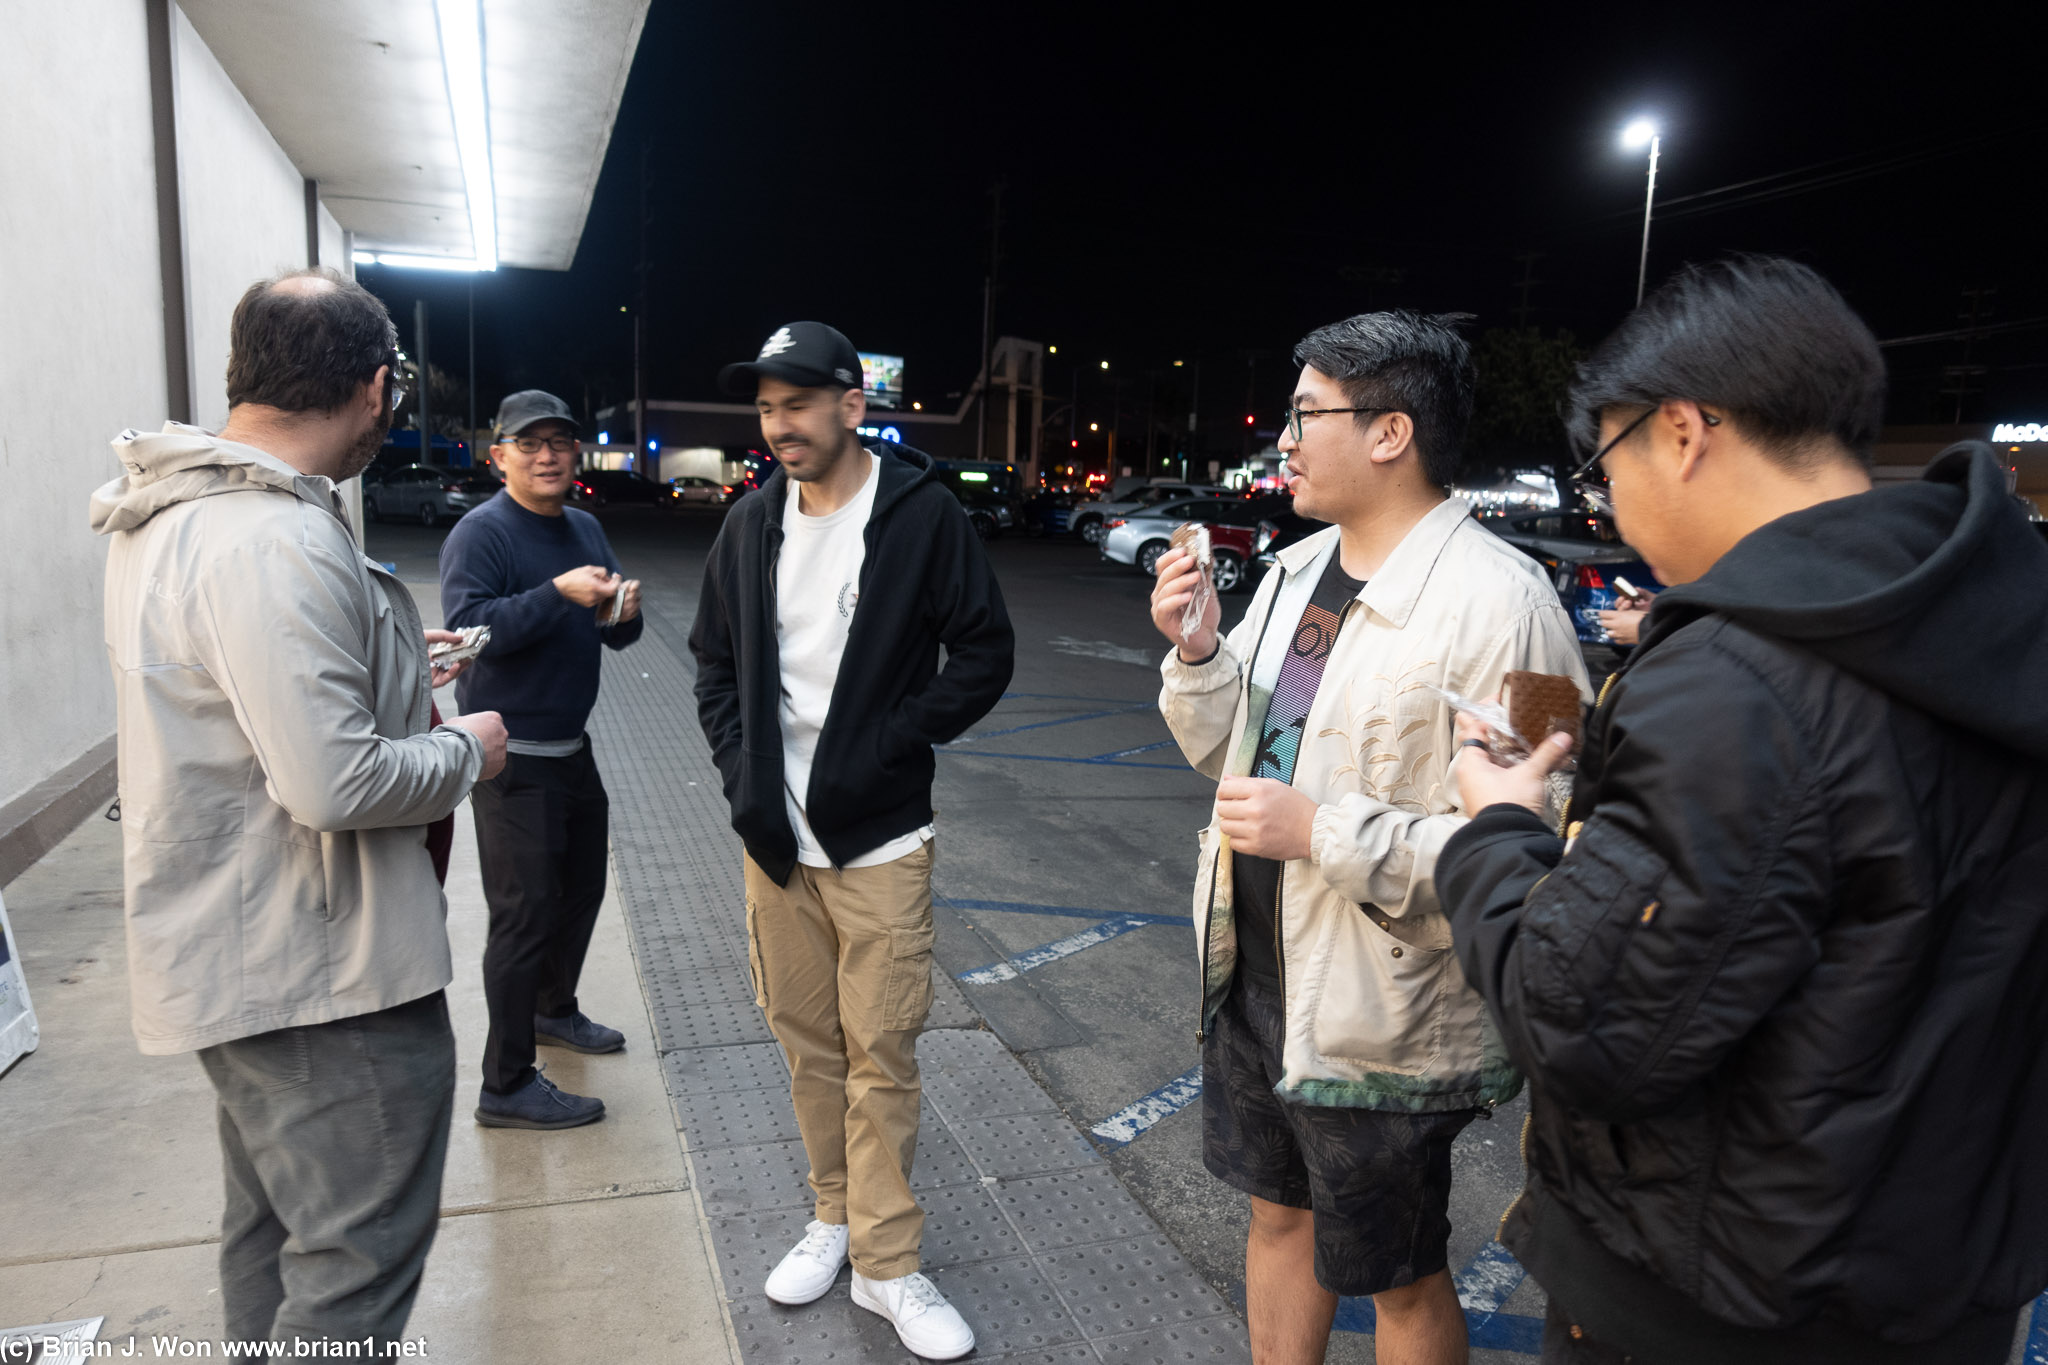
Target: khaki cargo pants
(842, 965)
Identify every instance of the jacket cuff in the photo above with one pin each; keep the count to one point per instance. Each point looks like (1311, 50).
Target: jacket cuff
(1219, 670)
(1500, 818)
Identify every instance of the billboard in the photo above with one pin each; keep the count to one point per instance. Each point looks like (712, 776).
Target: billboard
(881, 379)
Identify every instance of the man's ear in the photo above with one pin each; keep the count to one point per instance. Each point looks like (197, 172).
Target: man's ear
(1396, 435)
(853, 409)
(374, 391)
(1690, 432)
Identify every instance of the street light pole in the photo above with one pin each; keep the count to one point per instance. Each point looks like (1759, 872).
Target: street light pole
(1635, 135)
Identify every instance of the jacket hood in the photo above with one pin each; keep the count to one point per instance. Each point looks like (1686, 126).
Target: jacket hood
(1931, 592)
(181, 463)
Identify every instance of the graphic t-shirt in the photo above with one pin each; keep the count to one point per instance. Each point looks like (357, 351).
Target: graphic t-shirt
(817, 588)
(1257, 880)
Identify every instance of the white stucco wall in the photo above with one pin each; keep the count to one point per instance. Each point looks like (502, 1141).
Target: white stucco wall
(81, 357)
(334, 244)
(245, 211)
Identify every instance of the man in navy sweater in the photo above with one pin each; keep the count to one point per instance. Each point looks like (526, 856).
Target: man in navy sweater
(544, 579)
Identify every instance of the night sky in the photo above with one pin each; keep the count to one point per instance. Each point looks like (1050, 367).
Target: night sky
(1211, 188)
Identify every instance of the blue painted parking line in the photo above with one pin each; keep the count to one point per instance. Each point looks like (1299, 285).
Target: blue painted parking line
(1062, 696)
(1010, 968)
(1046, 758)
(1123, 1127)
(1141, 749)
(1063, 720)
(1484, 1287)
(1066, 911)
(2037, 1334)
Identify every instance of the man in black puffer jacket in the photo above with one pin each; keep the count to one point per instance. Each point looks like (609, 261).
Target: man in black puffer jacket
(1778, 990)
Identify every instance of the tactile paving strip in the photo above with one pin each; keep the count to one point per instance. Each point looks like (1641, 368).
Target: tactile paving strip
(743, 1066)
(1211, 1341)
(1119, 1287)
(1028, 1231)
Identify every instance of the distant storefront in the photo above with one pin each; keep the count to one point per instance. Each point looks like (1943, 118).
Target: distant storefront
(1903, 452)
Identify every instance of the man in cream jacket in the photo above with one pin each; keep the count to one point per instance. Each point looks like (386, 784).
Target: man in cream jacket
(1342, 1048)
(278, 773)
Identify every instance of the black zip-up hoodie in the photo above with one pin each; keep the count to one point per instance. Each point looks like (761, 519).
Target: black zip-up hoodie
(924, 583)
(1781, 1005)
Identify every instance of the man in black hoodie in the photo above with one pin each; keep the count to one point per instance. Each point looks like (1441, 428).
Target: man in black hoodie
(826, 599)
(1777, 987)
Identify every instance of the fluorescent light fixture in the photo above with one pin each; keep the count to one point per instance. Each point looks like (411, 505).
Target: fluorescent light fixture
(1639, 133)
(462, 62)
(402, 261)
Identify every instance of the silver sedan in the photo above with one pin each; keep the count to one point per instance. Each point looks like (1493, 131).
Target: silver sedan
(1139, 539)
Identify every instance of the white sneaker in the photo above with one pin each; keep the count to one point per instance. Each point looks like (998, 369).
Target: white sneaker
(811, 1266)
(925, 1323)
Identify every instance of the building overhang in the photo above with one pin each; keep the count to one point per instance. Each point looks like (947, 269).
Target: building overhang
(435, 128)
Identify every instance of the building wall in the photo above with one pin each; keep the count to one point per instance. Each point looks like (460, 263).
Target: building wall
(81, 357)
(245, 211)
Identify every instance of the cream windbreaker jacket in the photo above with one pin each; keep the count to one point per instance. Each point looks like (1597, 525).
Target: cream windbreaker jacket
(1378, 1013)
(277, 773)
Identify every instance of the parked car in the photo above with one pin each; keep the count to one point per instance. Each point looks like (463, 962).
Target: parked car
(694, 488)
(989, 490)
(1139, 539)
(427, 493)
(1091, 519)
(1584, 556)
(602, 487)
(1279, 530)
(1049, 512)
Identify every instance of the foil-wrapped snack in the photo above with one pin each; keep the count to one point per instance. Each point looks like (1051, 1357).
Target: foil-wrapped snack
(449, 653)
(1193, 537)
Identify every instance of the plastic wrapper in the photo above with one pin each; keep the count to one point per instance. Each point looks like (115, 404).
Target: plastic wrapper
(1194, 538)
(1504, 743)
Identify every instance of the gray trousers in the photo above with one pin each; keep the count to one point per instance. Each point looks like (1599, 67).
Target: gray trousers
(332, 1140)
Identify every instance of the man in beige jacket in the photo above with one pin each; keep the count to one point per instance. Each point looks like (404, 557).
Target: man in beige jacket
(277, 774)
(1342, 1049)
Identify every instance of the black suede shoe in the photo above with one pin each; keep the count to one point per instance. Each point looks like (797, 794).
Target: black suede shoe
(577, 1033)
(537, 1104)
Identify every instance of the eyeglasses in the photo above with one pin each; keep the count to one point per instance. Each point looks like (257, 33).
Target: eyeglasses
(1589, 480)
(559, 443)
(1294, 416)
(400, 385)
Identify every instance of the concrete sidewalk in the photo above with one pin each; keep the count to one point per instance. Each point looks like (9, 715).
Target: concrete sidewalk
(588, 1243)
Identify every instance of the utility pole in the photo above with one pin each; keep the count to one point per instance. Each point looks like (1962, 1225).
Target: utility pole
(469, 435)
(643, 269)
(1525, 284)
(1649, 200)
(1961, 375)
(1194, 413)
(419, 346)
(988, 319)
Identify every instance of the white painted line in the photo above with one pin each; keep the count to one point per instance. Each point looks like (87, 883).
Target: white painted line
(1052, 952)
(1103, 649)
(1126, 1124)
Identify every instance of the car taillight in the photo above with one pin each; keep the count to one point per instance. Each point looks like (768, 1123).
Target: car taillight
(451, 488)
(1589, 577)
(1268, 533)
(1113, 523)
(726, 489)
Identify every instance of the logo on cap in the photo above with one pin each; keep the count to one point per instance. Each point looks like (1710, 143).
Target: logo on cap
(844, 376)
(777, 344)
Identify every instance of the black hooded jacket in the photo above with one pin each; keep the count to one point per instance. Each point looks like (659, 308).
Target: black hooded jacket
(924, 583)
(1783, 1003)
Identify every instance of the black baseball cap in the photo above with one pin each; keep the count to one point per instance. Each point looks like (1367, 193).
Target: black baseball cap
(807, 354)
(522, 409)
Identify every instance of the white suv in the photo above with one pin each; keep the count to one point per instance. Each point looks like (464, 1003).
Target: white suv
(1090, 517)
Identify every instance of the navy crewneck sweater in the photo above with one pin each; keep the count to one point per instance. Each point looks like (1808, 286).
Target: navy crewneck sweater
(540, 669)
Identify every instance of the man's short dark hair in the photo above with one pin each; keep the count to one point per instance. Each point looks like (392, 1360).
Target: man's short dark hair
(1765, 338)
(1408, 362)
(307, 349)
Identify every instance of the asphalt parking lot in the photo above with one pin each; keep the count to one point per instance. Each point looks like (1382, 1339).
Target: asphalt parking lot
(1067, 823)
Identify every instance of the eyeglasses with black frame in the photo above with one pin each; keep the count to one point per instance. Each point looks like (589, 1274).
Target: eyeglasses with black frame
(562, 443)
(1294, 415)
(1589, 480)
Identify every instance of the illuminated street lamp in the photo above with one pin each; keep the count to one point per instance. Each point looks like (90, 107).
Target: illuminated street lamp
(1638, 134)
